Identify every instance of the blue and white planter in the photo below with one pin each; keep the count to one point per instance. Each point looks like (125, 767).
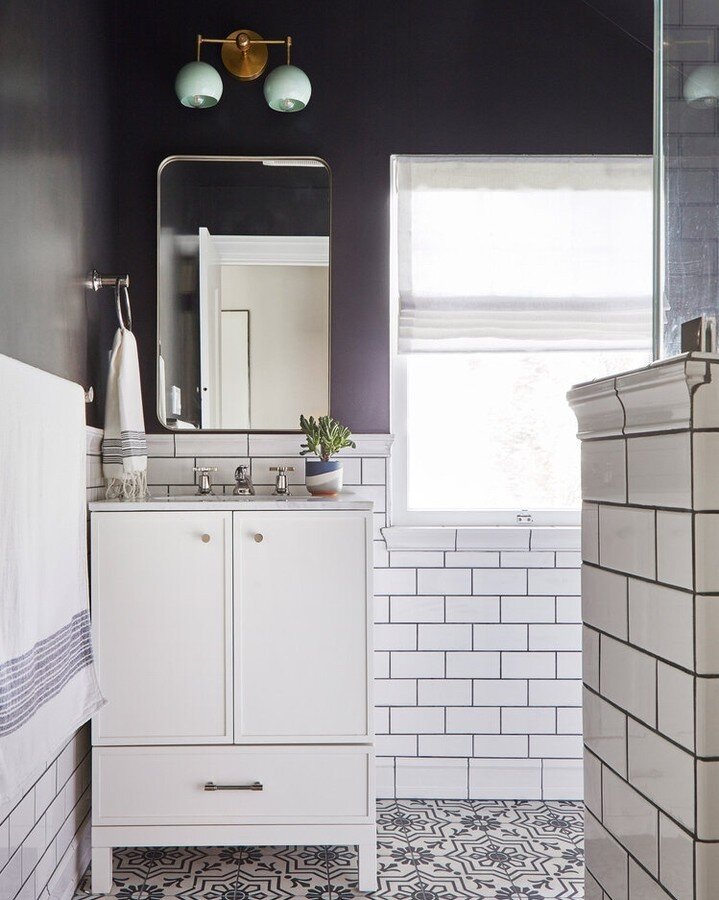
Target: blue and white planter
(323, 479)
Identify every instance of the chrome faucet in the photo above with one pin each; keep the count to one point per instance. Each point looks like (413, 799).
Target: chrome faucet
(243, 482)
(282, 486)
(204, 484)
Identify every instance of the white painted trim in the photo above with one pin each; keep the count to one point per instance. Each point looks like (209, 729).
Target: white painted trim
(283, 445)
(272, 250)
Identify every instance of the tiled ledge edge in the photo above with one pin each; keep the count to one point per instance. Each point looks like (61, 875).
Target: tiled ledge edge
(510, 537)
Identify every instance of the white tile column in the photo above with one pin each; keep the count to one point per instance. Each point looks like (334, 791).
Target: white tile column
(650, 609)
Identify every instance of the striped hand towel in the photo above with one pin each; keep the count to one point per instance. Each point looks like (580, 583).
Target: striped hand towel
(124, 446)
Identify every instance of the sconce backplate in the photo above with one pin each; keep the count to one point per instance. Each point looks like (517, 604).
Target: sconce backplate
(245, 65)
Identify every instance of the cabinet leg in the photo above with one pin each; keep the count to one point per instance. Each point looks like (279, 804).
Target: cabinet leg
(101, 870)
(367, 854)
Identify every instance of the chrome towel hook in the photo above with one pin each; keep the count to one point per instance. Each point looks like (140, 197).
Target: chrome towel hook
(120, 283)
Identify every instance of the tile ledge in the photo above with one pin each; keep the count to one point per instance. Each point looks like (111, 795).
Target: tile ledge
(493, 537)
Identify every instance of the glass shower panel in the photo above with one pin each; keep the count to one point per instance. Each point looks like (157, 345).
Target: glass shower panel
(690, 135)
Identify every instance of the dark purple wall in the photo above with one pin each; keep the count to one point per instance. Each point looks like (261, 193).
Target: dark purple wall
(404, 76)
(57, 182)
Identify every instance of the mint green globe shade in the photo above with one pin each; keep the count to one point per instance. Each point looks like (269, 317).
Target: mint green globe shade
(198, 85)
(287, 89)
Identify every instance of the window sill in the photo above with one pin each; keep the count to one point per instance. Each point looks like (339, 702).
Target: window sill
(483, 537)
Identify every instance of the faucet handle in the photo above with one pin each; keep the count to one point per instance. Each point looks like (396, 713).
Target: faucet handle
(204, 469)
(282, 469)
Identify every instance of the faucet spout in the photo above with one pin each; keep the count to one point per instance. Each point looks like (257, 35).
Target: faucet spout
(243, 482)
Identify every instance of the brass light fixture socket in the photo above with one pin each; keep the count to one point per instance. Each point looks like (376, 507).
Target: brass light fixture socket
(243, 58)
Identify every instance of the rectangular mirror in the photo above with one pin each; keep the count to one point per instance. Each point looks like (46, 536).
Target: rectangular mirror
(243, 307)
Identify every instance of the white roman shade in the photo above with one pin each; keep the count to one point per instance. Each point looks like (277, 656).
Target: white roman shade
(524, 253)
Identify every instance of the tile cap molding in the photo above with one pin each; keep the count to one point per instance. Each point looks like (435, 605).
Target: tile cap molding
(481, 537)
(668, 395)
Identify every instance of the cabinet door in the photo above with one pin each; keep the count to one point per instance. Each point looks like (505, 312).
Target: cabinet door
(301, 626)
(162, 620)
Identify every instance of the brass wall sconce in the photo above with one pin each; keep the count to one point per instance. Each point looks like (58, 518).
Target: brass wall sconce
(245, 55)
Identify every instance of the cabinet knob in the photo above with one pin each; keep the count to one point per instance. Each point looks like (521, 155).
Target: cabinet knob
(259, 538)
(205, 538)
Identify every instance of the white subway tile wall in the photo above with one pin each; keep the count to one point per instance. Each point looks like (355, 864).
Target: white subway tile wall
(45, 832)
(651, 665)
(477, 634)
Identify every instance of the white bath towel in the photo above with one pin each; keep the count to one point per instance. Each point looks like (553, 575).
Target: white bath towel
(124, 446)
(48, 686)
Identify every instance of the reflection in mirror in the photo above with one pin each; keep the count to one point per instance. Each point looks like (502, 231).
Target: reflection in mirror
(243, 292)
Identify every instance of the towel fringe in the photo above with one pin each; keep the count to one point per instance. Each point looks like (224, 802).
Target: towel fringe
(131, 486)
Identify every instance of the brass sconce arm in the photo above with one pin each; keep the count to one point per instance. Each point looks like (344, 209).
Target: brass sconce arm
(244, 52)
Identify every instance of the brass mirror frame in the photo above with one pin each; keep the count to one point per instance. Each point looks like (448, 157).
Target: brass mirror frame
(168, 160)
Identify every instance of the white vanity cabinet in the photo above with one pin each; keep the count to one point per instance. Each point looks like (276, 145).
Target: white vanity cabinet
(233, 645)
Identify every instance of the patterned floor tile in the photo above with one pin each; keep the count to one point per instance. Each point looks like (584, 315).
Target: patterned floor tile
(427, 850)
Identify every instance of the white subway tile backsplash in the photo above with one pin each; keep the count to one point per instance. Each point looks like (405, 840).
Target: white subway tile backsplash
(569, 664)
(554, 581)
(593, 784)
(590, 657)
(659, 468)
(381, 609)
(631, 819)
(395, 637)
(473, 720)
(445, 745)
(642, 886)
(662, 772)
(500, 637)
(706, 536)
(606, 859)
(416, 609)
(381, 664)
(395, 691)
(675, 706)
(491, 779)
(627, 540)
(416, 720)
(413, 538)
(569, 609)
(413, 559)
(628, 679)
(555, 637)
(472, 609)
(707, 629)
(473, 665)
(555, 692)
(406, 664)
(395, 581)
(444, 692)
(569, 720)
(500, 692)
(561, 746)
(499, 581)
(676, 852)
(396, 745)
(529, 720)
(381, 720)
(604, 470)
(605, 732)
(675, 564)
(528, 609)
(528, 664)
(384, 775)
(468, 559)
(569, 559)
(444, 581)
(497, 746)
(590, 532)
(445, 637)
(661, 620)
(161, 470)
(232, 445)
(373, 470)
(604, 601)
(707, 800)
(536, 559)
(707, 721)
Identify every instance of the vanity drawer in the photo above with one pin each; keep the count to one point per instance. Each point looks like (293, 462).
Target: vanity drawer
(162, 785)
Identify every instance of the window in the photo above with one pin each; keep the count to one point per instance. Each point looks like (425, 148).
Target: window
(513, 279)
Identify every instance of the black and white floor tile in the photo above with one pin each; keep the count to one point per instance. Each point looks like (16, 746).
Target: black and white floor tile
(428, 850)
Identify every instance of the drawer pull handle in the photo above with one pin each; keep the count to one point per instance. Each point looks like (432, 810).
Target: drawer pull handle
(259, 538)
(205, 538)
(252, 786)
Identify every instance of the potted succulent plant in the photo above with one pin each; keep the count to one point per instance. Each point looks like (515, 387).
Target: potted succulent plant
(324, 437)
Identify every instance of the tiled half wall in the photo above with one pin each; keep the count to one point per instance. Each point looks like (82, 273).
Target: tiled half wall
(45, 833)
(650, 479)
(477, 635)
